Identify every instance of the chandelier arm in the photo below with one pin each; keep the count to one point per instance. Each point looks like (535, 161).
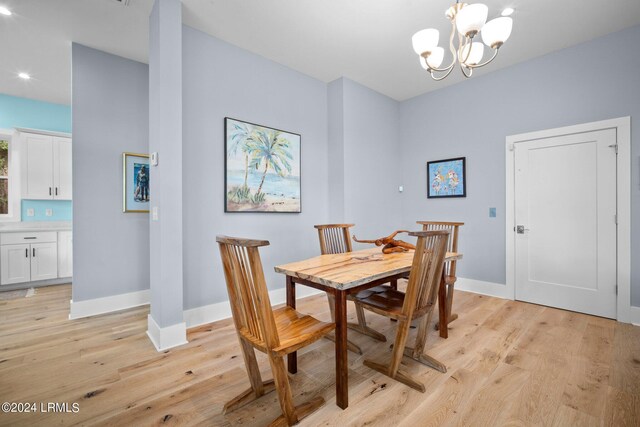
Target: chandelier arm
(441, 77)
(467, 41)
(450, 67)
(463, 67)
(495, 53)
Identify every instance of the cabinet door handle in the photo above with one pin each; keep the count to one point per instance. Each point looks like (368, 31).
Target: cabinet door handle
(34, 252)
(49, 190)
(26, 253)
(56, 191)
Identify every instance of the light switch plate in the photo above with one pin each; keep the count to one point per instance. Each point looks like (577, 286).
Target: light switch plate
(401, 189)
(154, 159)
(492, 212)
(30, 212)
(154, 213)
(49, 212)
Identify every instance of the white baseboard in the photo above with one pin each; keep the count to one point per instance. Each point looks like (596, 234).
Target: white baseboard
(485, 288)
(92, 307)
(222, 310)
(168, 337)
(632, 316)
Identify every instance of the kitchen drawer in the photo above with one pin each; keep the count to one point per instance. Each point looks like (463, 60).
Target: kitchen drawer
(21, 237)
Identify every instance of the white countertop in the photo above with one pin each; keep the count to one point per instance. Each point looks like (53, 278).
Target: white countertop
(9, 227)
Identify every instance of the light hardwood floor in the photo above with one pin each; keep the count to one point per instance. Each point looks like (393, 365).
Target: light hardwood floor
(509, 363)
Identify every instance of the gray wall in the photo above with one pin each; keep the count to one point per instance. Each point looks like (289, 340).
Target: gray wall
(364, 152)
(371, 157)
(222, 80)
(335, 117)
(567, 87)
(110, 116)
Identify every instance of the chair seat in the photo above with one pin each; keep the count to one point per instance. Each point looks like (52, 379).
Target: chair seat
(368, 292)
(382, 299)
(386, 301)
(297, 330)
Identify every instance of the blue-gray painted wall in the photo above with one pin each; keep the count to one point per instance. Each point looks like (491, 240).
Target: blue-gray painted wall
(472, 119)
(222, 80)
(362, 163)
(110, 116)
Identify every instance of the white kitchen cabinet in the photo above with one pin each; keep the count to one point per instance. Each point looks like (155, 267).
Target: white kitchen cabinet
(38, 151)
(44, 261)
(15, 264)
(62, 168)
(65, 254)
(47, 164)
(29, 257)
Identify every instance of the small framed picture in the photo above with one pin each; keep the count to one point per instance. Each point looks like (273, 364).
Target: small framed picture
(135, 182)
(447, 178)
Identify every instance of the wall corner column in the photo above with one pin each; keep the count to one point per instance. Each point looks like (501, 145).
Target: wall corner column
(166, 327)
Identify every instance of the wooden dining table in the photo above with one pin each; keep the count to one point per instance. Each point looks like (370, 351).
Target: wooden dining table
(344, 274)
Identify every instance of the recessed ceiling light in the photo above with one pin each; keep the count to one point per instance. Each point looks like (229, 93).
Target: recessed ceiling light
(5, 11)
(24, 76)
(508, 11)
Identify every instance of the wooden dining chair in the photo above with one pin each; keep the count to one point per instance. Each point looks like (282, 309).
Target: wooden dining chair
(450, 266)
(417, 302)
(274, 332)
(336, 239)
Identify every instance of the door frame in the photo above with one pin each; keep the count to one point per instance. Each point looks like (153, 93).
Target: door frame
(624, 311)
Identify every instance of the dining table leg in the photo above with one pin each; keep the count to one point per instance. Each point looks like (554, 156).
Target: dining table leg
(342, 368)
(292, 358)
(442, 308)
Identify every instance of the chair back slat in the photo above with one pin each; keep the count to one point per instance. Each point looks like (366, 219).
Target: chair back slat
(426, 270)
(334, 238)
(247, 289)
(452, 245)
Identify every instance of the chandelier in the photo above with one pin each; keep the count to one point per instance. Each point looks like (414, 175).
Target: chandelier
(469, 21)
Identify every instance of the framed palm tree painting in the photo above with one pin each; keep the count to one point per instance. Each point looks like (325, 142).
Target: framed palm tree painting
(262, 168)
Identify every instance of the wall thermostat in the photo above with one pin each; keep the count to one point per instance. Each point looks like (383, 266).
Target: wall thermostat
(154, 159)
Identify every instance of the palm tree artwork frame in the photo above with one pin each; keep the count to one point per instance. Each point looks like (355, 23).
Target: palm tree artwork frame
(262, 168)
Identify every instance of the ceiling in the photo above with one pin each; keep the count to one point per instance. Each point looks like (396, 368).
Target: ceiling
(365, 40)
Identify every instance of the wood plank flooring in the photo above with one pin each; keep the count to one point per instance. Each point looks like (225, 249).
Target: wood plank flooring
(509, 363)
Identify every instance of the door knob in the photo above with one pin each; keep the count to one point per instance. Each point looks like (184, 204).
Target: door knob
(520, 229)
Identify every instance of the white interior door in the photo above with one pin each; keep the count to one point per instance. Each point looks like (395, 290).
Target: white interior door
(565, 207)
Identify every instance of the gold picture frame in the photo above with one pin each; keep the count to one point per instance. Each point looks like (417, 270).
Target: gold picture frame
(135, 188)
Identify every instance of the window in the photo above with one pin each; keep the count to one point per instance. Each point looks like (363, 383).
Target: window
(9, 177)
(4, 177)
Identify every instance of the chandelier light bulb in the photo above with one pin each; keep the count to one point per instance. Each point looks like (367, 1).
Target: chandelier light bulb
(471, 19)
(497, 31)
(473, 58)
(435, 59)
(425, 40)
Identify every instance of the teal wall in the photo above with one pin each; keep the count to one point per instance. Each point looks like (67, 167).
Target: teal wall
(29, 113)
(61, 210)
